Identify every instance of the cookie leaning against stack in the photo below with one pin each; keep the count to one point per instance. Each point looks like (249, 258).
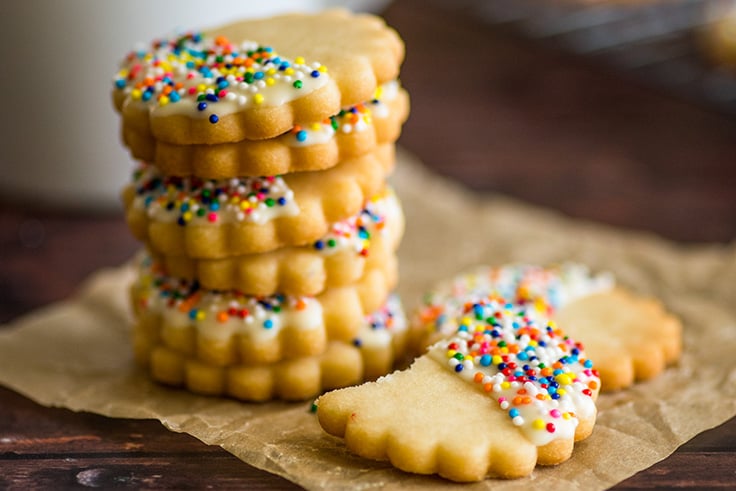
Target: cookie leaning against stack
(261, 197)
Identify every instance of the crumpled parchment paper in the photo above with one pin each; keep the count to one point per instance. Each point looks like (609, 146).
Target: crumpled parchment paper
(76, 354)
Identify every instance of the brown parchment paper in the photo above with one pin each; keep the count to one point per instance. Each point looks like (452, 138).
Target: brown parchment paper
(76, 354)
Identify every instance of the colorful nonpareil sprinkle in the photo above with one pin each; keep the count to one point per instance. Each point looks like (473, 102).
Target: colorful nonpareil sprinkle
(355, 232)
(183, 303)
(381, 326)
(211, 77)
(356, 118)
(187, 200)
(522, 360)
(544, 289)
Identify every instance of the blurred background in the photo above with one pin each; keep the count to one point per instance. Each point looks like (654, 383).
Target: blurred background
(621, 112)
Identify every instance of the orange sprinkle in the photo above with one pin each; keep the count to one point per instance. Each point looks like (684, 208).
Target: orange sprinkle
(222, 317)
(488, 387)
(593, 384)
(478, 377)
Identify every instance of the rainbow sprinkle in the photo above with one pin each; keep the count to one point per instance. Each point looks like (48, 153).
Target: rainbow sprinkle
(535, 373)
(355, 232)
(381, 326)
(189, 200)
(184, 302)
(198, 74)
(544, 289)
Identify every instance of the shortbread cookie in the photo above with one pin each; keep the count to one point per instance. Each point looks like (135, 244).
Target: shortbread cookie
(214, 219)
(507, 391)
(546, 289)
(313, 146)
(341, 257)
(630, 338)
(226, 327)
(380, 341)
(255, 79)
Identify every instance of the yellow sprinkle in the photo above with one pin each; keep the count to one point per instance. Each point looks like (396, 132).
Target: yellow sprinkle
(135, 94)
(299, 60)
(258, 98)
(563, 379)
(367, 118)
(235, 200)
(163, 100)
(451, 353)
(201, 314)
(289, 71)
(271, 71)
(505, 350)
(505, 385)
(322, 69)
(187, 216)
(562, 392)
(538, 424)
(316, 126)
(270, 81)
(244, 205)
(566, 416)
(378, 93)
(123, 73)
(496, 359)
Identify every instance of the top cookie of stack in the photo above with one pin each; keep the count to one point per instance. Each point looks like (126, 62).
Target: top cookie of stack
(220, 105)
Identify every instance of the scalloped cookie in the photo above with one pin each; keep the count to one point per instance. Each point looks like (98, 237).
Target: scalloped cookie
(214, 219)
(339, 258)
(255, 79)
(380, 341)
(509, 390)
(313, 146)
(227, 327)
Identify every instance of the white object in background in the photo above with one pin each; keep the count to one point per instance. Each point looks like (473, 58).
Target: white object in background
(59, 139)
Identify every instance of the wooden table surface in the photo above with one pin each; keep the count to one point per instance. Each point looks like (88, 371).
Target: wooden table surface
(496, 112)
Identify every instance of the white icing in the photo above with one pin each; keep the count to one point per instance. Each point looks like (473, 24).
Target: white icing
(542, 412)
(168, 67)
(179, 199)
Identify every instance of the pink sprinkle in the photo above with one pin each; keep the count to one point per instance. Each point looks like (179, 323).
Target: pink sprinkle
(212, 217)
(555, 413)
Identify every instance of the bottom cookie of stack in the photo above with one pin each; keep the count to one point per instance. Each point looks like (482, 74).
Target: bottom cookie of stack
(379, 344)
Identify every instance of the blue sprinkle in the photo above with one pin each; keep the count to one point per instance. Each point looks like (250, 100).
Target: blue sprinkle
(459, 367)
(174, 97)
(301, 135)
(513, 412)
(319, 245)
(281, 201)
(315, 74)
(268, 323)
(258, 75)
(120, 83)
(214, 118)
(211, 97)
(202, 106)
(588, 364)
(357, 343)
(485, 360)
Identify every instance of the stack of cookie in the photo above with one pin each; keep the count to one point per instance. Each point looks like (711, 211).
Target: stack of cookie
(261, 196)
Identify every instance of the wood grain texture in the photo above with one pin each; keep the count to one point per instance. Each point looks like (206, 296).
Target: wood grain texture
(489, 109)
